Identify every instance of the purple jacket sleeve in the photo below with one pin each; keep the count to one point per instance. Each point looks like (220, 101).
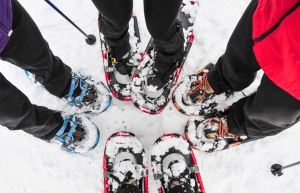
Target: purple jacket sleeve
(5, 22)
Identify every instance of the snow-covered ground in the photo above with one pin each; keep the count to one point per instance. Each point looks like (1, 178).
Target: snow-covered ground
(29, 165)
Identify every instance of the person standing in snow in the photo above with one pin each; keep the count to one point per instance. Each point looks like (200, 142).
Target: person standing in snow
(22, 44)
(162, 23)
(267, 37)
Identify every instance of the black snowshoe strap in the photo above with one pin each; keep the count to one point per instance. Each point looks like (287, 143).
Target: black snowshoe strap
(194, 96)
(215, 113)
(129, 188)
(191, 169)
(166, 73)
(185, 187)
(79, 134)
(91, 96)
(120, 62)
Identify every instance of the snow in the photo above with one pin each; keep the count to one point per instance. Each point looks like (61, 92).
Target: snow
(30, 165)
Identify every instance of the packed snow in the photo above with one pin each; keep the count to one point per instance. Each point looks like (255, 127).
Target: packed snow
(30, 165)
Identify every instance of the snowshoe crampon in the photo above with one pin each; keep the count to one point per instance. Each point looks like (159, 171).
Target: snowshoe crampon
(117, 83)
(165, 151)
(146, 99)
(119, 147)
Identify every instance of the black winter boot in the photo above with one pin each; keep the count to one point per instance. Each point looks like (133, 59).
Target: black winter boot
(169, 54)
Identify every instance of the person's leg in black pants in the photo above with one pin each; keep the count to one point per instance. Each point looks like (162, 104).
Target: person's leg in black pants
(161, 23)
(114, 22)
(268, 111)
(28, 50)
(161, 20)
(17, 113)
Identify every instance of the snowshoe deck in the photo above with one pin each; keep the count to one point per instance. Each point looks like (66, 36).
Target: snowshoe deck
(120, 90)
(174, 144)
(156, 104)
(124, 142)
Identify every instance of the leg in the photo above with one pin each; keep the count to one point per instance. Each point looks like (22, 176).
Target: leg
(237, 68)
(115, 17)
(161, 20)
(267, 112)
(28, 50)
(17, 113)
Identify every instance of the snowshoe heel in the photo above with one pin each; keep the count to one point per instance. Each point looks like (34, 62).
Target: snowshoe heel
(77, 135)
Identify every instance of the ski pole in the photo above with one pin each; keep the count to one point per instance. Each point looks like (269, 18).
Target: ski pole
(276, 169)
(91, 39)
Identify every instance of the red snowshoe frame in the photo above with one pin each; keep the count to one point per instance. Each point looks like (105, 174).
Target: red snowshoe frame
(108, 165)
(190, 161)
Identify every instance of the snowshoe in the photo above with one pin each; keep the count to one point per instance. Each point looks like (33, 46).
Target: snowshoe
(194, 96)
(173, 163)
(124, 164)
(146, 98)
(77, 135)
(86, 94)
(209, 133)
(117, 72)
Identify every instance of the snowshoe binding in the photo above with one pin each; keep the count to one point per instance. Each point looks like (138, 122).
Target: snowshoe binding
(85, 94)
(124, 164)
(210, 133)
(152, 97)
(77, 135)
(174, 165)
(119, 70)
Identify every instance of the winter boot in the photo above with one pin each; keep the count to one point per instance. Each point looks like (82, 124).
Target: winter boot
(84, 93)
(77, 135)
(201, 91)
(125, 177)
(87, 95)
(179, 173)
(123, 65)
(169, 55)
(210, 133)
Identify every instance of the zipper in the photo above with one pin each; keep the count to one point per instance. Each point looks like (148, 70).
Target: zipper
(263, 36)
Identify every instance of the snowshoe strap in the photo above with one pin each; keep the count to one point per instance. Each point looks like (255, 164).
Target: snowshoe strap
(79, 134)
(62, 129)
(194, 169)
(115, 178)
(158, 176)
(106, 174)
(76, 80)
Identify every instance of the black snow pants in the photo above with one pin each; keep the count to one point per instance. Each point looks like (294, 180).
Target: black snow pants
(160, 16)
(268, 111)
(28, 50)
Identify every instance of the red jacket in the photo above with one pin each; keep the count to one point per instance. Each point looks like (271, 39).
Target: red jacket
(279, 52)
